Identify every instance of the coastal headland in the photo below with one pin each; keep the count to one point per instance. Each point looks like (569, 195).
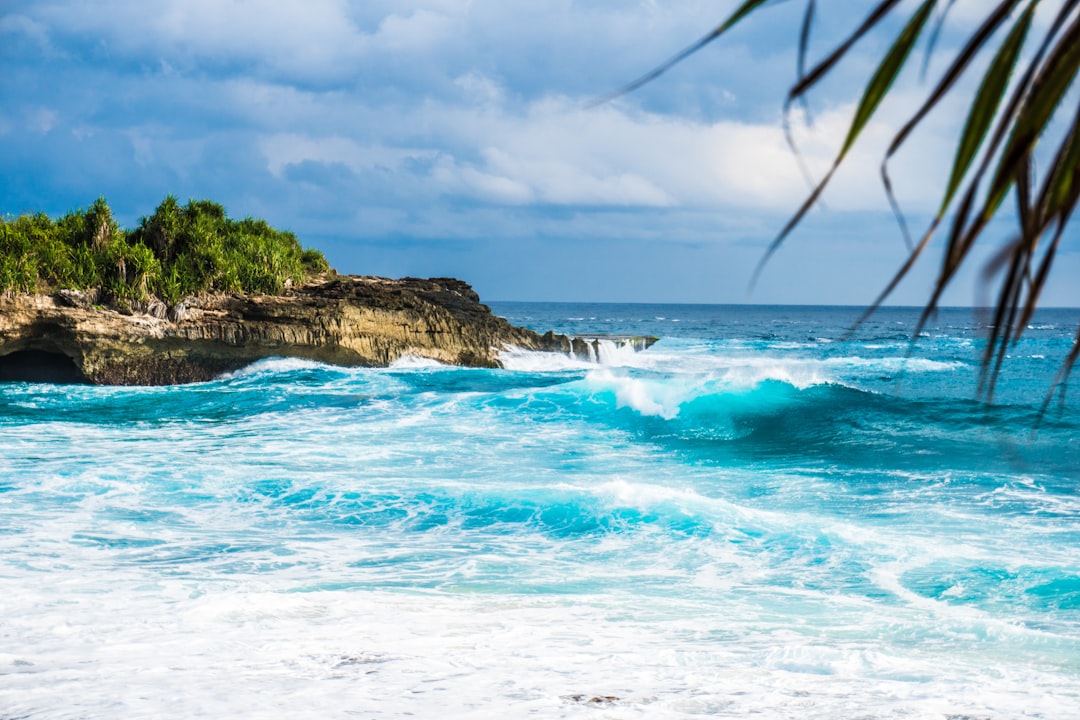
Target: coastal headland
(342, 320)
(191, 293)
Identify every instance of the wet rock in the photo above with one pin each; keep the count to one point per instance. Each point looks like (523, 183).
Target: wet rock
(590, 700)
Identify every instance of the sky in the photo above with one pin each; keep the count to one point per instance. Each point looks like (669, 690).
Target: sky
(458, 138)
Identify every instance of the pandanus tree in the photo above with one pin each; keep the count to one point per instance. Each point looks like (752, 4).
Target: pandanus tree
(1011, 107)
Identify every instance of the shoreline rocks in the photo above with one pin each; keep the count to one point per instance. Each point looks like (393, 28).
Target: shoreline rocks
(341, 320)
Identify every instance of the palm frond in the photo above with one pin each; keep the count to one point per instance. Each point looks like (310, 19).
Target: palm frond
(804, 46)
(875, 92)
(980, 116)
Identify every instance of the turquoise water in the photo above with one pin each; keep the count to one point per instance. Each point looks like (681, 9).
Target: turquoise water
(753, 517)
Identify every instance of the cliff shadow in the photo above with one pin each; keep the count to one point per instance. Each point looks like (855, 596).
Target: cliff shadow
(40, 366)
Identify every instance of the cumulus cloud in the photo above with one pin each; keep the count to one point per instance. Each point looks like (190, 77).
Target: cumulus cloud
(465, 134)
(282, 150)
(555, 151)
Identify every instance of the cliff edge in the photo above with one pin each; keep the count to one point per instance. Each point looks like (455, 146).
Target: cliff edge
(342, 320)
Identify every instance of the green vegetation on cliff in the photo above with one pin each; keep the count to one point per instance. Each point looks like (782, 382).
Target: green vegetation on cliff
(178, 251)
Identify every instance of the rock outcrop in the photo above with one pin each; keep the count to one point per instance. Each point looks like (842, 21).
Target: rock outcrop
(343, 320)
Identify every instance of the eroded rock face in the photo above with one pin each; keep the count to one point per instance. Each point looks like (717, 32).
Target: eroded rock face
(345, 320)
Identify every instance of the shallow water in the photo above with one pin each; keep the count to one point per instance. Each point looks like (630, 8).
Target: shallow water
(754, 516)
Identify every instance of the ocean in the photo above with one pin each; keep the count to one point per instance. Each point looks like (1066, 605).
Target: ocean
(759, 516)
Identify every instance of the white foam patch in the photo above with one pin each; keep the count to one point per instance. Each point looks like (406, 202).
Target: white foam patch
(648, 496)
(519, 360)
(735, 365)
(609, 353)
(755, 371)
(649, 397)
(414, 362)
(277, 365)
(244, 650)
(665, 396)
(601, 352)
(896, 364)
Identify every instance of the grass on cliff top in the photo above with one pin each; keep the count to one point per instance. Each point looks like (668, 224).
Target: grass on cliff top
(180, 250)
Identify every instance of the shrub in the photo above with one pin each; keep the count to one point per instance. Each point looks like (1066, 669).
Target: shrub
(176, 252)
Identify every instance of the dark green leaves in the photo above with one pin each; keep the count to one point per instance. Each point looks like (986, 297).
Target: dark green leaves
(987, 101)
(886, 73)
(1053, 80)
(177, 251)
(875, 92)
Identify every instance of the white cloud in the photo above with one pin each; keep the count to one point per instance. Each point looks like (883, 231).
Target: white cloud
(614, 156)
(35, 31)
(480, 89)
(556, 152)
(142, 146)
(336, 41)
(468, 181)
(285, 149)
(421, 29)
(310, 38)
(42, 120)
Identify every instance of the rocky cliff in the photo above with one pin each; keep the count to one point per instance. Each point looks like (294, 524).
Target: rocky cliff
(343, 320)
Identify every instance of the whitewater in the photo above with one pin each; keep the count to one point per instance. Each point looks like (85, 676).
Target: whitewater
(760, 515)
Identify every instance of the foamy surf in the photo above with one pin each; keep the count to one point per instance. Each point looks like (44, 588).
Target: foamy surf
(414, 362)
(276, 365)
(740, 521)
(519, 360)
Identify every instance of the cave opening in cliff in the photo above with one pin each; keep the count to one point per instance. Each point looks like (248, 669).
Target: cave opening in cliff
(41, 366)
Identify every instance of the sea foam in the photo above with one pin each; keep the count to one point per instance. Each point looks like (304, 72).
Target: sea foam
(740, 521)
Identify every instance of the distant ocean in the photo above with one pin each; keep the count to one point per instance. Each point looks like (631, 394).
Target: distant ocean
(753, 518)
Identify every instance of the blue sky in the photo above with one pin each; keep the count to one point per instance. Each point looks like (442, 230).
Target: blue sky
(454, 137)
